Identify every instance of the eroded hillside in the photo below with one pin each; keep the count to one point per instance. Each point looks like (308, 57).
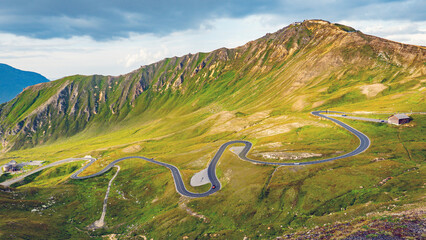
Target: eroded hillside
(305, 66)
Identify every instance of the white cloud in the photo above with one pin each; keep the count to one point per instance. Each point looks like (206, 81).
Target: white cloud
(144, 55)
(399, 31)
(58, 57)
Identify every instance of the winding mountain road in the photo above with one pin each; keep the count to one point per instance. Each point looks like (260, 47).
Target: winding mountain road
(180, 186)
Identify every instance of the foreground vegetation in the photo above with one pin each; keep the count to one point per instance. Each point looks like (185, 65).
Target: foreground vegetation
(262, 92)
(143, 200)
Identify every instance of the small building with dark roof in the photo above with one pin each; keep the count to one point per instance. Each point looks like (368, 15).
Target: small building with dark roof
(399, 119)
(12, 166)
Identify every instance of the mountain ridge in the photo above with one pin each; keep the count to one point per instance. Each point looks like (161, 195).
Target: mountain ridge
(14, 81)
(288, 63)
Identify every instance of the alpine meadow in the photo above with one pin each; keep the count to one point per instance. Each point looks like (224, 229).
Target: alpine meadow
(181, 110)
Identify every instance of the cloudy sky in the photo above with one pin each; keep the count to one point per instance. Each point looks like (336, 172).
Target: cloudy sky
(112, 37)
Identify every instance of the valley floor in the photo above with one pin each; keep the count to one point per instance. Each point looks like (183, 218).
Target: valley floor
(262, 201)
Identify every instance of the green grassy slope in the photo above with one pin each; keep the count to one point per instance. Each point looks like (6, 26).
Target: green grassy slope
(144, 201)
(261, 92)
(314, 65)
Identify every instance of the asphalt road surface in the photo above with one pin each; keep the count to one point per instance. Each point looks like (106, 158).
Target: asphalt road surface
(180, 186)
(20, 178)
(358, 118)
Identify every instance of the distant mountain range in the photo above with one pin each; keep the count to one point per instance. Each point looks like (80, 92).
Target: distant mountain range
(13, 81)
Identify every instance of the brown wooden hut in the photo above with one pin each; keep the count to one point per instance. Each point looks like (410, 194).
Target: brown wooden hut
(399, 119)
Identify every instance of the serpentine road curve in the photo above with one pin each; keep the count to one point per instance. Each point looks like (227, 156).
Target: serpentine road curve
(180, 186)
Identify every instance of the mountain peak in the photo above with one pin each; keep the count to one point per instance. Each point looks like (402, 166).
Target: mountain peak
(319, 23)
(310, 28)
(13, 81)
(312, 21)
